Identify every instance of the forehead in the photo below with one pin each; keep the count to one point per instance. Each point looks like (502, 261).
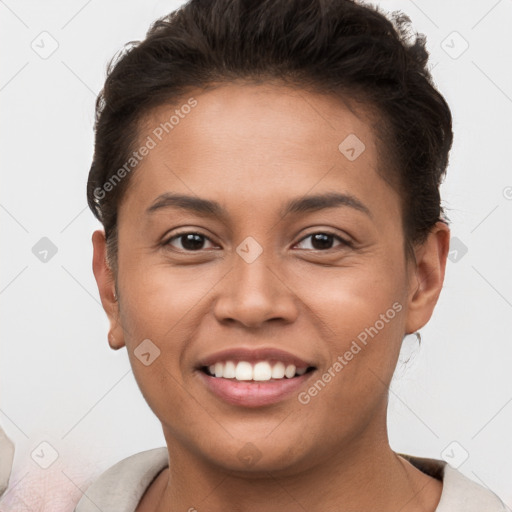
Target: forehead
(256, 140)
(284, 118)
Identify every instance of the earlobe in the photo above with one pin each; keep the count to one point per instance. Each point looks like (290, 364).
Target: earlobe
(427, 277)
(106, 287)
(114, 343)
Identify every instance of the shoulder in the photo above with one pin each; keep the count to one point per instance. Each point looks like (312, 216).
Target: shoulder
(460, 493)
(6, 459)
(121, 486)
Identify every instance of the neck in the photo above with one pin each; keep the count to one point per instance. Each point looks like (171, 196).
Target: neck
(365, 475)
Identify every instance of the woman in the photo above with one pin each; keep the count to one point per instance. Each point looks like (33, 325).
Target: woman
(267, 175)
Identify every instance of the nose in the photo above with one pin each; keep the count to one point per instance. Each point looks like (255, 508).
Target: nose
(255, 293)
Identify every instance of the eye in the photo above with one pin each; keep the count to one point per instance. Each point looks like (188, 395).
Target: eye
(323, 240)
(189, 241)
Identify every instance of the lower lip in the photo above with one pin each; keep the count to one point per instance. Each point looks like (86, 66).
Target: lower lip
(251, 393)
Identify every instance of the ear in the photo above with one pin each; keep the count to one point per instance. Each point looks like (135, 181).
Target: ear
(426, 276)
(106, 287)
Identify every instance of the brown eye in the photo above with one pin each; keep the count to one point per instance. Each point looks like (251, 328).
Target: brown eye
(189, 241)
(324, 241)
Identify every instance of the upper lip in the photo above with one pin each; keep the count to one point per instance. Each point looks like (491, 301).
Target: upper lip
(253, 355)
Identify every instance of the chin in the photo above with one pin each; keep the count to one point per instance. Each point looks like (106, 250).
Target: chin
(259, 457)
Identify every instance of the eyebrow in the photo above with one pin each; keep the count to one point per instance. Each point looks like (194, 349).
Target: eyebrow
(210, 208)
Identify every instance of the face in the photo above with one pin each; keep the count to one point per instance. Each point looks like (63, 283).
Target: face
(288, 251)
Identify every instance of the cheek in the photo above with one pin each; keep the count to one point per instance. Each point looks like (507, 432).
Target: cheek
(347, 300)
(359, 312)
(163, 305)
(157, 299)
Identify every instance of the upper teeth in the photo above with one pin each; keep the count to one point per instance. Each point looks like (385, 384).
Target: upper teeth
(262, 370)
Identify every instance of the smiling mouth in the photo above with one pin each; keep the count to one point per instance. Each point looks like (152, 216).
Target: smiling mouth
(261, 371)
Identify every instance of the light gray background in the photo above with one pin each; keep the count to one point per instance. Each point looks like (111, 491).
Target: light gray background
(60, 382)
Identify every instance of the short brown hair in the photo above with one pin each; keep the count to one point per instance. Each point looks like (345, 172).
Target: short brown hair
(339, 47)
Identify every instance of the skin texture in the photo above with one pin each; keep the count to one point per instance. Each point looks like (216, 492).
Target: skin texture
(57, 488)
(252, 148)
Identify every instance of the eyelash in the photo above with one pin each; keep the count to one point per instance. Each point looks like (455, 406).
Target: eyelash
(343, 241)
